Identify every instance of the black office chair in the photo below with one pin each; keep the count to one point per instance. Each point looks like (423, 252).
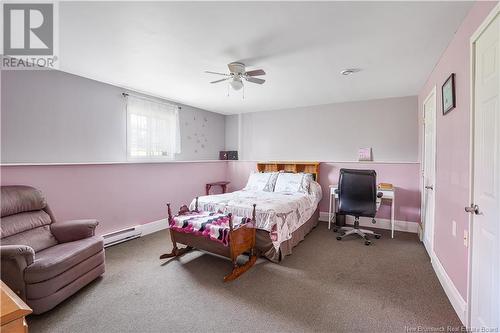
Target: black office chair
(358, 196)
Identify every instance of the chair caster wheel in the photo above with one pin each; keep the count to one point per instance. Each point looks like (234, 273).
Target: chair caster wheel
(339, 238)
(373, 221)
(367, 242)
(335, 229)
(377, 236)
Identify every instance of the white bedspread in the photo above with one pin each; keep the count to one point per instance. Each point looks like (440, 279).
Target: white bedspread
(278, 213)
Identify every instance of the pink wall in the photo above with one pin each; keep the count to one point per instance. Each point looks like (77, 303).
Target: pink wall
(123, 195)
(118, 195)
(452, 164)
(405, 176)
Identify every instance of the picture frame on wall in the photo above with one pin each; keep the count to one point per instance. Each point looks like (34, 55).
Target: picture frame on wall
(365, 154)
(448, 94)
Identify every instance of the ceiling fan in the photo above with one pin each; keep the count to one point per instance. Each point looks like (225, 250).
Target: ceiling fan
(237, 74)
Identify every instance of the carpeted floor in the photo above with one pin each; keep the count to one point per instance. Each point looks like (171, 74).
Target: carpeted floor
(324, 286)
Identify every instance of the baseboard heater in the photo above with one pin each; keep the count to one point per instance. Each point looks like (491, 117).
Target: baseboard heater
(121, 236)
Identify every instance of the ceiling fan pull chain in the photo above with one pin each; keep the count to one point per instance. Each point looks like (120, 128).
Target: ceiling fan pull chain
(243, 91)
(228, 90)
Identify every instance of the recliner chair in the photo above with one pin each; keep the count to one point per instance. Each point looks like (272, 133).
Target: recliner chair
(44, 261)
(358, 196)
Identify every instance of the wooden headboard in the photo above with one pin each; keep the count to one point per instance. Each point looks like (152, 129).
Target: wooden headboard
(290, 166)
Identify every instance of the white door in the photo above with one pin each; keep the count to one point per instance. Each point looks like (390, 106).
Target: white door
(429, 169)
(485, 264)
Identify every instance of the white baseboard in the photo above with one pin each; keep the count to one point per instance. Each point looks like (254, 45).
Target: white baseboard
(456, 300)
(152, 227)
(420, 232)
(381, 223)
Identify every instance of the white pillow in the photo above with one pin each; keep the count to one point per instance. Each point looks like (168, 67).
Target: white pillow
(315, 191)
(259, 181)
(306, 183)
(289, 182)
(272, 181)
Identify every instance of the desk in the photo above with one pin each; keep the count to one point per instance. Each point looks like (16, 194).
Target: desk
(13, 311)
(386, 195)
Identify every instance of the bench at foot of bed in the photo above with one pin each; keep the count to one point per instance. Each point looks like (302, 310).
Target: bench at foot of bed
(217, 233)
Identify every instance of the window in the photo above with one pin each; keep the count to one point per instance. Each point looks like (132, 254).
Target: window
(152, 129)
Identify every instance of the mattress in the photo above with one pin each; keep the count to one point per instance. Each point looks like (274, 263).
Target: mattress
(280, 214)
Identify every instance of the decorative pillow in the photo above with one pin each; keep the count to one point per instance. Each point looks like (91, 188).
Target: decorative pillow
(289, 182)
(315, 191)
(258, 181)
(306, 183)
(272, 181)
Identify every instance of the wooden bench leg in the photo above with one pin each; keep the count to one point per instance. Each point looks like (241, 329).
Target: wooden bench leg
(239, 270)
(176, 252)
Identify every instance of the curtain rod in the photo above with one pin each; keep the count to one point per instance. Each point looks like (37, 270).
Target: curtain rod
(124, 94)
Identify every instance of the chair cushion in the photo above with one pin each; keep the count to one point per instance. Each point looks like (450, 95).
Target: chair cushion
(48, 287)
(59, 258)
(44, 304)
(14, 224)
(19, 199)
(38, 238)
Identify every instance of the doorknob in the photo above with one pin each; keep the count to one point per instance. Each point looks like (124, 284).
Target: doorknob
(472, 209)
(429, 187)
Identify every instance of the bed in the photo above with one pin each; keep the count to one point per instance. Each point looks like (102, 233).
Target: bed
(282, 218)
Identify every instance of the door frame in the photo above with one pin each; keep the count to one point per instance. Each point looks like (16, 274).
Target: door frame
(430, 250)
(475, 36)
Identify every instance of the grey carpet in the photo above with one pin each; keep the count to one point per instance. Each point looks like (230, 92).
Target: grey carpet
(324, 286)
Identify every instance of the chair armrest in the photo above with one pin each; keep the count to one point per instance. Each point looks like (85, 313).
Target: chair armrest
(14, 260)
(379, 200)
(69, 231)
(18, 253)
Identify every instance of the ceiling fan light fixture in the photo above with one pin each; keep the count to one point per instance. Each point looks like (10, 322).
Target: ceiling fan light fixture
(236, 83)
(238, 73)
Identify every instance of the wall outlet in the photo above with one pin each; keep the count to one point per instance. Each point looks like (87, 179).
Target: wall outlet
(454, 228)
(466, 238)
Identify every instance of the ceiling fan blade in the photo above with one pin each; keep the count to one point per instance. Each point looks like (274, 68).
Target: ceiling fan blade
(217, 73)
(217, 81)
(254, 80)
(256, 72)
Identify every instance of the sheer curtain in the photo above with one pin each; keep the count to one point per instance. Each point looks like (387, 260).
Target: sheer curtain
(152, 129)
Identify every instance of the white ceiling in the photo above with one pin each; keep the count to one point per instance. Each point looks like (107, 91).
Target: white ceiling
(163, 48)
